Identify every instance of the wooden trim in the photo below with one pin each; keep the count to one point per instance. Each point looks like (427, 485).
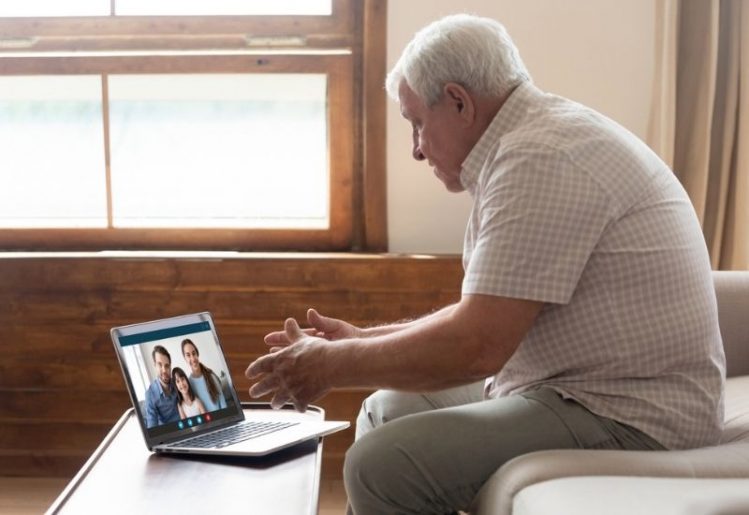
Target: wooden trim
(341, 154)
(155, 42)
(180, 62)
(339, 22)
(174, 239)
(374, 176)
(357, 233)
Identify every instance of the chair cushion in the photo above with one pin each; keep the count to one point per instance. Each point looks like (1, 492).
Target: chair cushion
(595, 495)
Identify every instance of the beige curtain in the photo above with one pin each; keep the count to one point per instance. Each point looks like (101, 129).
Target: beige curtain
(700, 117)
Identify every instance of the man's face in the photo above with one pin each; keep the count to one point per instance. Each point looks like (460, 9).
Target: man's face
(437, 135)
(164, 367)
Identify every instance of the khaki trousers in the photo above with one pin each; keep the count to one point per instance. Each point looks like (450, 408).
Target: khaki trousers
(430, 453)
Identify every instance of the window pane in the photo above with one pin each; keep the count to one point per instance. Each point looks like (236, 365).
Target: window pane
(229, 150)
(51, 143)
(223, 7)
(54, 8)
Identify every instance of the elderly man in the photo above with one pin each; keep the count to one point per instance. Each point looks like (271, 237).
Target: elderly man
(587, 298)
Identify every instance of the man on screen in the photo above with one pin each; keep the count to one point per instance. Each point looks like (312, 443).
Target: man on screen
(161, 396)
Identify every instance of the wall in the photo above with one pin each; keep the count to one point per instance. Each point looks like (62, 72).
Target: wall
(598, 52)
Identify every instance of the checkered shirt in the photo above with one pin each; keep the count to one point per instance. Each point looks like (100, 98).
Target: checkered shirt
(573, 210)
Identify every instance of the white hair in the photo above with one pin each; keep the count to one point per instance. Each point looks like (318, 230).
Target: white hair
(475, 52)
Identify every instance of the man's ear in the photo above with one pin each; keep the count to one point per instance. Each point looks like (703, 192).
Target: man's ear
(460, 100)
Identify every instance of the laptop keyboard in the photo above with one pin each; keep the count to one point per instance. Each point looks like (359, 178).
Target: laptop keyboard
(233, 434)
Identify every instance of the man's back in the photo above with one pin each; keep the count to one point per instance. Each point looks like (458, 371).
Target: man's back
(583, 216)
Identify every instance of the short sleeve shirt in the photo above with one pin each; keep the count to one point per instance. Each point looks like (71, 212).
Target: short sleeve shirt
(572, 210)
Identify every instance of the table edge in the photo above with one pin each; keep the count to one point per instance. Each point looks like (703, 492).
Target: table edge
(61, 499)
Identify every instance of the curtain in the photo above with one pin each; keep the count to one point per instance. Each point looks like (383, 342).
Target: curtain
(700, 118)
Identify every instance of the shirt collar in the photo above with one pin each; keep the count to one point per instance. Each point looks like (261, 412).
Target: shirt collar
(161, 389)
(507, 118)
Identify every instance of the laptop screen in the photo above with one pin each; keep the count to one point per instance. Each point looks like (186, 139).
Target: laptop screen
(177, 376)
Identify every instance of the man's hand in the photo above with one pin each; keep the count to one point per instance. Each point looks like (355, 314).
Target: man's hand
(320, 326)
(294, 372)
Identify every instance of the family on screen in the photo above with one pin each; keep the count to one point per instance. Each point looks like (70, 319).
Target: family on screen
(175, 394)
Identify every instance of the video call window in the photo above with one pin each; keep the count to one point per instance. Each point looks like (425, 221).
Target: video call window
(187, 396)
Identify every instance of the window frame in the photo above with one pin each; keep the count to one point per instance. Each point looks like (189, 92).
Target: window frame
(334, 45)
(116, 31)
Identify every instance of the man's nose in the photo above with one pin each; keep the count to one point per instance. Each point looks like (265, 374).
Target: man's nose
(417, 153)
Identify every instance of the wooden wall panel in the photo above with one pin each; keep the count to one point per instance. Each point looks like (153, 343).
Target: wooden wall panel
(61, 388)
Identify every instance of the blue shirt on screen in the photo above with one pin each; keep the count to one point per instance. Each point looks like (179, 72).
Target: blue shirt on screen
(160, 407)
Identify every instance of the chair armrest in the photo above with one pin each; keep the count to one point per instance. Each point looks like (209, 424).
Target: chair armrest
(495, 497)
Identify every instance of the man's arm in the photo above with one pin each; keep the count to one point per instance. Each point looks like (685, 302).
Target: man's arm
(382, 330)
(466, 342)
(335, 329)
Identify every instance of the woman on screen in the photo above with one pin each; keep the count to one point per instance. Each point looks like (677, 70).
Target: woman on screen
(204, 381)
(189, 404)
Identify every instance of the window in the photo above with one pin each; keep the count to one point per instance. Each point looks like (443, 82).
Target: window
(69, 8)
(249, 125)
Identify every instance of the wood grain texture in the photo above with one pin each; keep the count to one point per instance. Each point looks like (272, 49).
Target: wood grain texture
(374, 183)
(61, 388)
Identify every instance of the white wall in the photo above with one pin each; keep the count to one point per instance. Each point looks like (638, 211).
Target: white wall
(598, 52)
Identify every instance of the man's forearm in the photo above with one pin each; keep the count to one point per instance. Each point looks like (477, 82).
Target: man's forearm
(463, 343)
(382, 330)
(430, 353)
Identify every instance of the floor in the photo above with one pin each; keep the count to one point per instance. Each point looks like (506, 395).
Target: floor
(32, 496)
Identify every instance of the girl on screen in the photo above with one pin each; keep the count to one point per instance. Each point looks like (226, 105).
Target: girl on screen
(189, 404)
(203, 380)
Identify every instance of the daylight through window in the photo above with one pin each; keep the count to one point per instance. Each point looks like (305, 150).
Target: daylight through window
(192, 124)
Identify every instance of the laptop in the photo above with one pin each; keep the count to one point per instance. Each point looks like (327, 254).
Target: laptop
(179, 381)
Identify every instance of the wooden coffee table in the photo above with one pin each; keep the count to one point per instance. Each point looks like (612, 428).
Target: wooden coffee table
(122, 476)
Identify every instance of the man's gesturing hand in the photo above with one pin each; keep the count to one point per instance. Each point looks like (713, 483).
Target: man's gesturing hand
(321, 326)
(295, 373)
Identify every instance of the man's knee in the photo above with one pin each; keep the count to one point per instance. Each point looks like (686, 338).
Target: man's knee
(384, 406)
(365, 421)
